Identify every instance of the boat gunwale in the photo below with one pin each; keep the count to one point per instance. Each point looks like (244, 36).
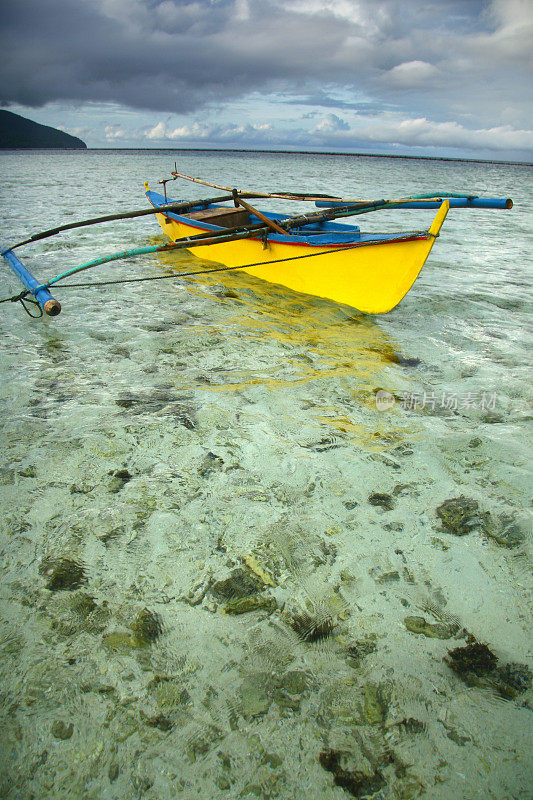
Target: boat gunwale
(274, 238)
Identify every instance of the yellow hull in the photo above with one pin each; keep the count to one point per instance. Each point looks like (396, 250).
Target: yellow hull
(372, 278)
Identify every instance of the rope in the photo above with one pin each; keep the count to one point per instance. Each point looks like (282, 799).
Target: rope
(23, 299)
(151, 277)
(15, 297)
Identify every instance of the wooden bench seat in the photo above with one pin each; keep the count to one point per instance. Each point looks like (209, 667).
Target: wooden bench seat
(225, 217)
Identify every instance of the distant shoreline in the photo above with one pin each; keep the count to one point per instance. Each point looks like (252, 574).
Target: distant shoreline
(455, 159)
(317, 153)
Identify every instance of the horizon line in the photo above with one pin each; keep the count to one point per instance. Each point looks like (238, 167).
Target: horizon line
(318, 153)
(466, 159)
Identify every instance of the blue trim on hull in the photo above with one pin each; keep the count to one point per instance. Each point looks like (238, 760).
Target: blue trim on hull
(322, 234)
(317, 234)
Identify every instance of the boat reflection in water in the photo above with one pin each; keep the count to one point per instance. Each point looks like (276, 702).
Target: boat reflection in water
(329, 358)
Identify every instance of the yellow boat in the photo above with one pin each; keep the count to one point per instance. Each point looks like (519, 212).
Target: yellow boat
(309, 253)
(371, 273)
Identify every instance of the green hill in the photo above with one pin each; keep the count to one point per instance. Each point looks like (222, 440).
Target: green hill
(17, 131)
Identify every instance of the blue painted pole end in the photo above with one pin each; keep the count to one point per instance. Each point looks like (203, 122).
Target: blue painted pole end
(49, 304)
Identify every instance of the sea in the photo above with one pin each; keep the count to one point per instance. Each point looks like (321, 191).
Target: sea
(256, 544)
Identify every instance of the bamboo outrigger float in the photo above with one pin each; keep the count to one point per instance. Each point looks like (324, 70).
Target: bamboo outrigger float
(309, 253)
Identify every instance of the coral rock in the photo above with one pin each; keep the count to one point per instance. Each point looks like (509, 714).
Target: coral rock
(459, 515)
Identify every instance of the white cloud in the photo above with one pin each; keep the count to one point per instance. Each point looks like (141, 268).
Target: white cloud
(195, 131)
(333, 131)
(369, 17)
(513, 35)
(411, 74)
(113, 132)
(424, 132)
(163, 131)
(242, 10)
(159, 131)
(213, 132)
(330, 123)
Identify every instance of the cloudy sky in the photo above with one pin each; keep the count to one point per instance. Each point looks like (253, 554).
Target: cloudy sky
(415, 77)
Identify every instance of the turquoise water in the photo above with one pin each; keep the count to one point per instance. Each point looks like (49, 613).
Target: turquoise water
(178, 450)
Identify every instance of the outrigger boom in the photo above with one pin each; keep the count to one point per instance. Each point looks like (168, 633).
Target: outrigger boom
(373, 277)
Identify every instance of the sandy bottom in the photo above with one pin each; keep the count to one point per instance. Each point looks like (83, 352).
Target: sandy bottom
(223, 571)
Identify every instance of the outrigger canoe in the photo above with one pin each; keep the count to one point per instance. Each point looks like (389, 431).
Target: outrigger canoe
(317, 256)
(370, 272)
(308, 253)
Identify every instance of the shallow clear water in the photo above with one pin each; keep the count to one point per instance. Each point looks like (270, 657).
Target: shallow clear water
(174, 448)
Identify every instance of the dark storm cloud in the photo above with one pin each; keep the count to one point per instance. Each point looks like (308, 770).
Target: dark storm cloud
(153, 55)
(419, 56)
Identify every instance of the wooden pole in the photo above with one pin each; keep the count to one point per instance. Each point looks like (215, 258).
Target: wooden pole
(198, 180)
(326, 200)
(274, 195)
(175, 207)
(271, 224)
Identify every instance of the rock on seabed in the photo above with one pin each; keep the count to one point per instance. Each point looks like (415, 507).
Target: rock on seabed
(459, 515)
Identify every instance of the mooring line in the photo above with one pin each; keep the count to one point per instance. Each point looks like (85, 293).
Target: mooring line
(175, 275)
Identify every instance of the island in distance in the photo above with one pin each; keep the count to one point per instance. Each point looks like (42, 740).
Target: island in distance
(19, 132)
